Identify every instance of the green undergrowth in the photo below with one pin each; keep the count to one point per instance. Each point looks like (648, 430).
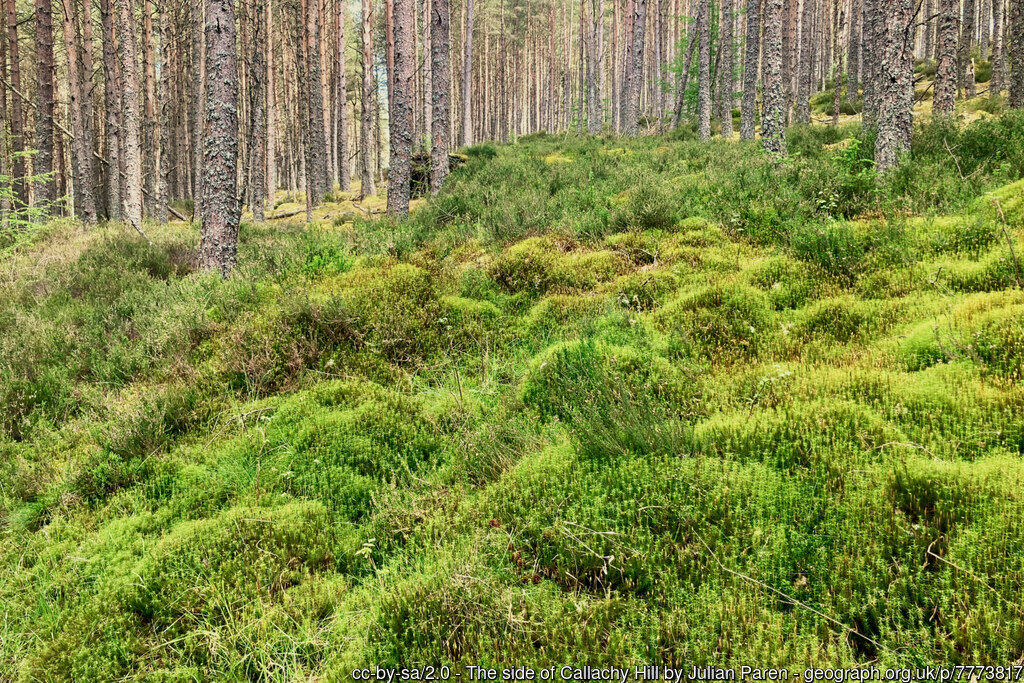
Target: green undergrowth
(600, 401)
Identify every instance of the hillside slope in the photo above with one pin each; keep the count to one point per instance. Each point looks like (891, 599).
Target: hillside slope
(599, 402)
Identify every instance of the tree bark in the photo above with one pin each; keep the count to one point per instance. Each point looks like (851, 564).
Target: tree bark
(440, 32)
(998, 57)
(164, 107)
(341, 103)
(636, 68)
(85, 202)
(944, 98)
(316, 149)
(1017, 53)
(258, 113)
(400, 117)
(726, 70)
(963, 55)
(198, 102)
(773, 115)
(704, 72)
(748, 107)
(151, 151)
(219, 246)
(130, 99)
(896, 84)
(803, 93)
(45, 189)
(367, 188)
(112, 108)
(467, 78)
(18, 182)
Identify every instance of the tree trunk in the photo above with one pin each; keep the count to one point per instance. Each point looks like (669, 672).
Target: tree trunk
(986, 26)
(198, 102)
(163, 153)
(944, 97)
(112, 108)
(341, 103)
(258, 113)
(837, 69)
(748, 108)
(219, 247)
(896, 84)
(440, 31)
(130, 98)
(85, 202)
(18, 182)
(367, 187)
(45, 190)
(998, 58)
(467, 78)
(1016, 34)
(704, 71)
(963, 55)
(872, 44)
(636, 69)
(803, 93)
(316, 149)
(853, 51)
(151, 152)
(400, 113)
(726, 69)
(773, 113)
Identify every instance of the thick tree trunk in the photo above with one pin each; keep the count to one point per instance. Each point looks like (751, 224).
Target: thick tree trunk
(45, 190)
(18, 182)
(1017, 53)
(773, 114)
(748, 107)
(704, 72)
(726, 70)
(366, 184)
(636, 68)
(85, 202)
(400, 115)
(440, 127)
(130, 98)
(219, 247)
(112, 109)
(944, 99)
(986, 26)
(872, 44)
(467, 78)
(316, 149)
(896, 84)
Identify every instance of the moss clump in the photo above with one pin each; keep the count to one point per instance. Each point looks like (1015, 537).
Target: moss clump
(787, 283)
(562, 310)
(587, 269)
(644, 290)
(649, 206)
(571, 373)
(528, 265)
(840, 320)
(720, 321)
(641, 248)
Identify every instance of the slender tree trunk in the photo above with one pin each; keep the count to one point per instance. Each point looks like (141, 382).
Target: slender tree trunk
(986, 27)
(18, 181)
(803, 93)
(773, 115)
(198, 101)
(271, 151)
(944, 98)
(401, 109)
(748, 108)
(258, 112)
(998, 58)
(221, 212)
(366, 184)
(150, 155)
(45, 190)
(896, 84)
(636, 68)
(467, 78)
(870, 66)
(726, 69)
(85, 202)
(704, 72)
(685, 82)
(163, 158)
(316, 149)
(963, 56)
(112, 108)
(341, 103)
(837, 69)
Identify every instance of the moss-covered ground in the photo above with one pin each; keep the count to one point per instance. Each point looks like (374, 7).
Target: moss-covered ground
(601, 401)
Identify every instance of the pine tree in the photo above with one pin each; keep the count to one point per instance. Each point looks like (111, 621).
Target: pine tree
(440, 127)
(944, 99)
(773, 116)
(748, 108)
(221, 211)
(45, 190)
(400, 116)
(704, 72)
(896, 84)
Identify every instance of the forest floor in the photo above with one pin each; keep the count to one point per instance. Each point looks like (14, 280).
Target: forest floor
(601, 401)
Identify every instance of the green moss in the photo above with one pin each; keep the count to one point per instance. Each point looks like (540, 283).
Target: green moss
(787, 283)
(559, 310)
(565, 375)
(644, 290)
(527, 266)
(721, 321)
